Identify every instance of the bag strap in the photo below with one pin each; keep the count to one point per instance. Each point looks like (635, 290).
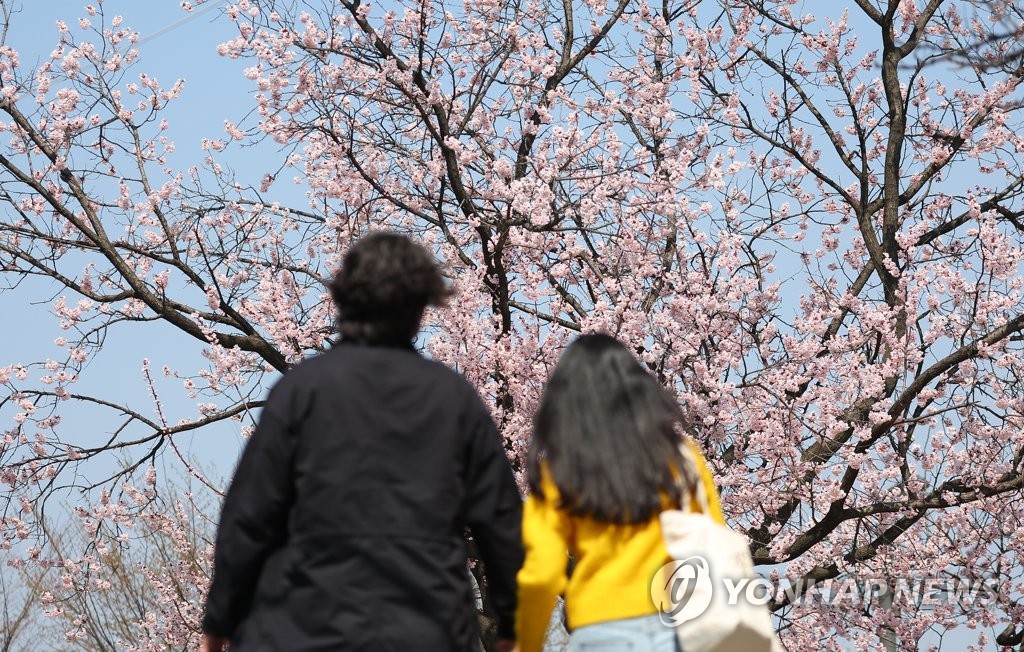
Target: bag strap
(698, 491)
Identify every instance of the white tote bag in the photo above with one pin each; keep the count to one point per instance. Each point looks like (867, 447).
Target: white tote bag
(703, 592)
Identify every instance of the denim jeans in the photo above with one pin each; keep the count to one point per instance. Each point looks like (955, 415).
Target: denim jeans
(644, 634)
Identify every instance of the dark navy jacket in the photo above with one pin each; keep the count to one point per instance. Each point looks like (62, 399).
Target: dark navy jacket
(343, 528)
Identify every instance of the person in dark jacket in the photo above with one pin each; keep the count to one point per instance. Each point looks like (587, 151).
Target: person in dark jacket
(344, 526)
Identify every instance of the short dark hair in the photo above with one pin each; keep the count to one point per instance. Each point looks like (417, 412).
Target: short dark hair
(385, 283)
(609, 435)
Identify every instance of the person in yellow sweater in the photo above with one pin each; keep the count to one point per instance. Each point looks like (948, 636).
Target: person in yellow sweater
(604, 461)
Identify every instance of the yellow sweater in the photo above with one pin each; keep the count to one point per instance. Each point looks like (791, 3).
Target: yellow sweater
(614, 563)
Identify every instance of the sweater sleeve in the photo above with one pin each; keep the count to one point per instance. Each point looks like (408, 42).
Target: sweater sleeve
(714, 504)
(494, 516)
(546, 532)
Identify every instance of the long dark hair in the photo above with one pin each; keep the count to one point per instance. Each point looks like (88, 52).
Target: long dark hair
(609, 435)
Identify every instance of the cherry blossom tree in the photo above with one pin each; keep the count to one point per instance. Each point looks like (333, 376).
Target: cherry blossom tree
(810, 226)
(142, 593)
(19, 595)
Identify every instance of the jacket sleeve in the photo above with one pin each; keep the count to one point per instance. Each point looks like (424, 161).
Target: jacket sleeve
(493, 514)
(254, 517)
